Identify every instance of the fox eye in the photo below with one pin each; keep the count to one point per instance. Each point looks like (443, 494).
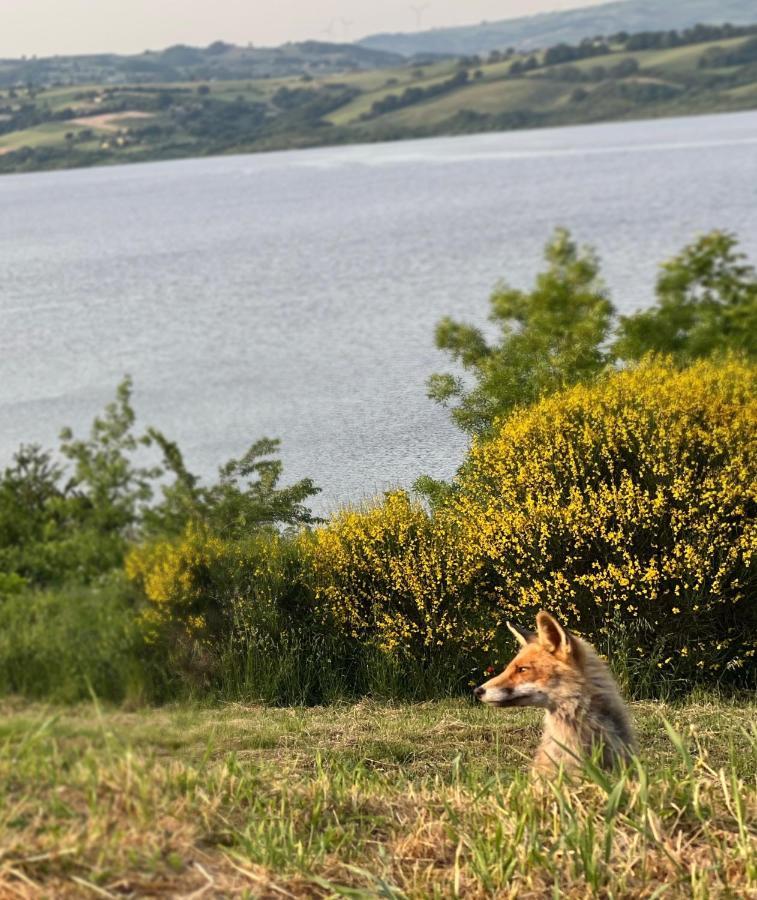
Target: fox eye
(522, 669)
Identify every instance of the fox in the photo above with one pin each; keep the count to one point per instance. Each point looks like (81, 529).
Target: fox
(563, 674)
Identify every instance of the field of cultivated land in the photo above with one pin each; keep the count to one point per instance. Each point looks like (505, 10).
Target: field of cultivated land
(368, 800)
(496, 93)
(50, 126)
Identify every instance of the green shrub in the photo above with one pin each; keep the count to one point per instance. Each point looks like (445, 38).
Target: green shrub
(70, 643)
(75, 522)
(706, 304)
(550, 337)
(234, 614)
(565, 330)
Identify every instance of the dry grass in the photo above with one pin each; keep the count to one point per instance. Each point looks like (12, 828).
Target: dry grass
(367, 800)
(113, 122)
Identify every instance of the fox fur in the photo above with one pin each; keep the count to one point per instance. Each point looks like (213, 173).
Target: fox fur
(562, 674)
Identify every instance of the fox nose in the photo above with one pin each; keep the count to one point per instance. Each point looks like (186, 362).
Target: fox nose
(479, 692)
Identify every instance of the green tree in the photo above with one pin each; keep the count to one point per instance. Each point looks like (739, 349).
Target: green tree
(60, 522)
(104, 472)
(33, 510)
(706, 303)
(245, 498)
(549, 338)
(120, 494)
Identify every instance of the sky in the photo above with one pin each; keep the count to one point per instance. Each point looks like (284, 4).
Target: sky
(49, 27)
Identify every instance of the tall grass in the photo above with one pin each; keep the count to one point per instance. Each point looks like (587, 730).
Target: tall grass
(66, 643)
(311, 669)
(69, 643)
(298, 667)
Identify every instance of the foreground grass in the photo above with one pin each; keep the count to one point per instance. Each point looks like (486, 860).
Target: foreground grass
(428, 800)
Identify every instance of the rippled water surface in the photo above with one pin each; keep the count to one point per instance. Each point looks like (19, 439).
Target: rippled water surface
(295, 294)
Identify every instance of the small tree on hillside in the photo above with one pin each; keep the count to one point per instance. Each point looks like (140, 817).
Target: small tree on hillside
(104, 469)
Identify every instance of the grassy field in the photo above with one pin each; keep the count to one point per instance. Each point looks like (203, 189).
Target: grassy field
(53, 126)
(367, 800)
(496, 93)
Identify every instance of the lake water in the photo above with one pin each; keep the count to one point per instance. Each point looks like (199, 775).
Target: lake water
(295, 294)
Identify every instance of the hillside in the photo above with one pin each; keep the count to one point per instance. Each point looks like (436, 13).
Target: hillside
(570, 26)
(218, 62)
(638, 76)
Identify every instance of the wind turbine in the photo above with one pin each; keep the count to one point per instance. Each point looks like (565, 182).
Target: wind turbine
(347, 25)
(419, 11)
(330, 28)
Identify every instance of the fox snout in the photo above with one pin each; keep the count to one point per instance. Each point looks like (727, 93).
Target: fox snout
(485, 694)
(497, 695)
(525, 694)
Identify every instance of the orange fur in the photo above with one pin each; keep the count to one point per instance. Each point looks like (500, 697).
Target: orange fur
(563, 675)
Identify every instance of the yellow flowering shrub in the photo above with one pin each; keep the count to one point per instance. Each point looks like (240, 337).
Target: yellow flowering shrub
(629, 501)
(169, 575)
(390, 574)
(627, 507)
(209, 590)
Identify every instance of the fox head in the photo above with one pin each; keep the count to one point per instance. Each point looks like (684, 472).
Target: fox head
(548, 662)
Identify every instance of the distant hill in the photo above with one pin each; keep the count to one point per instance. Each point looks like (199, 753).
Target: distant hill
(217, 62)
(64, 123)
(569, 27)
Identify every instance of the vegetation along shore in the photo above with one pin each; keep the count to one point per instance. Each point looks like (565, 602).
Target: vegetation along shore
(183, 102)
(610, 477)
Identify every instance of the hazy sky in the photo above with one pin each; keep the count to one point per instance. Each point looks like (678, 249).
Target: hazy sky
(47, 27)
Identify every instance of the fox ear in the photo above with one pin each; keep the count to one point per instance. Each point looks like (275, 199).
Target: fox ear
(552, 636)
(521, 635)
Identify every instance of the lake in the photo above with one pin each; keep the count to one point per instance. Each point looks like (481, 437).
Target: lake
(295, 294)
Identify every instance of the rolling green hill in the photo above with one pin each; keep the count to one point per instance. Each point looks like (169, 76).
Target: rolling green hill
(636, 76)
(219, 61)
(571, 26)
